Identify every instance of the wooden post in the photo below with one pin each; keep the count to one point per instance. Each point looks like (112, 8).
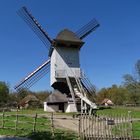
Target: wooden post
(34, 124)
(121, 126)
(107, 130)
(103, 128)
(112, 118)
(97, 126)
(108, 126)
(100, 127)
(86, 124)
(116, 125)
(82, 107)
(125, 127)
(131, 124)
(3, 119)
(83, 124)
(16, 122)
(79, 127)
(92, 117)
(52, 125)
(89, 126)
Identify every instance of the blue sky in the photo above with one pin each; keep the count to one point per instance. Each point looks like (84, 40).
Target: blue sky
(109, 52)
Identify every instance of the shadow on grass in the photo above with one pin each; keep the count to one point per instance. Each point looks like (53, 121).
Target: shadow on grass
(47, 135)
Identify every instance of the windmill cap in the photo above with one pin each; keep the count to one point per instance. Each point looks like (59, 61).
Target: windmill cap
(67, 38)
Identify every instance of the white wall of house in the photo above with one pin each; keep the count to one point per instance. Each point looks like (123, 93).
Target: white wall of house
(50, 108)
(65, 106)
(70, 107)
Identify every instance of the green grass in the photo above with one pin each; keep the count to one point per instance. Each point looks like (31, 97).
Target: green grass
(59, 135)
(126, 126)
(38, 111)
(43, 127)
(117, 129)
(27, 111)
(44, 132)
(41, 135)
(134, 112)
(136, 129)
(10, 132)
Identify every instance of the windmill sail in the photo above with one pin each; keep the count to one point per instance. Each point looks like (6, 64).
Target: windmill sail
(35, 26)
(89, 88)
(87, 84)
(87, 29)
(33, 77)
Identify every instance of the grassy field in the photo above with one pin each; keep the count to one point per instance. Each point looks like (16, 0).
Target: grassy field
(38, 111)
(134, 112)
(25, 126)
(44, 132)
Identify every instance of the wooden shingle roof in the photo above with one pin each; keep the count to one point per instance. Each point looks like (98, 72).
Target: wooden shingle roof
(57, 97)
(67, 38)
(67, 35)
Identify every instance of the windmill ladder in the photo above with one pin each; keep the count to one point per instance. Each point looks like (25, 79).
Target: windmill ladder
(71, 89)
(79, 91)
(85, 99)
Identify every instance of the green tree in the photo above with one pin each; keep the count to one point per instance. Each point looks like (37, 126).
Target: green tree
(12, 100)
(101, 95)
(22, 94)
(117, 94)
(4, 93)
(132, 84)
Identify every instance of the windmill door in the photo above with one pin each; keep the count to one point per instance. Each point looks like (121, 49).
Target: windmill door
(61, 107)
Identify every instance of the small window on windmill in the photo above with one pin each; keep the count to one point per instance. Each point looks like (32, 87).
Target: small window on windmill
(71, 61)
(60, 73)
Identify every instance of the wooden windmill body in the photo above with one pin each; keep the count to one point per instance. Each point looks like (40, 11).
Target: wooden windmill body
(65, 59)
(64, 64)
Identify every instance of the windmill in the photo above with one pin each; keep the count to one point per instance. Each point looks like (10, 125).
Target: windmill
(63, 62)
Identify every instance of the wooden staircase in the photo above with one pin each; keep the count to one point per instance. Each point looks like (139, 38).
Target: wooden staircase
(83, 89)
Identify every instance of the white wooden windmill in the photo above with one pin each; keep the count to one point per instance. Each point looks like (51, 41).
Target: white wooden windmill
(66, 75)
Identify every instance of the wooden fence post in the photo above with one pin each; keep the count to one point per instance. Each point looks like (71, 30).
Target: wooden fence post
(3, 119)
(16, 122)
(79, 127)
(52, 125)
(83, 126)
(34, 124)
(131, 124)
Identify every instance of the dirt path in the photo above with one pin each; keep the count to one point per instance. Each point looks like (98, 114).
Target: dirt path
(64, 121)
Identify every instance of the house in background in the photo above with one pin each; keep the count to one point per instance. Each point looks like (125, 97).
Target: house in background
(58, 102)
(25, 102)
(107, 102)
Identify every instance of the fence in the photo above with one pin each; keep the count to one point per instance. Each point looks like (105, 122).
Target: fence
(98, 127)
(45, 126)
(105, 127)
(26, 122)
(136, 128)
